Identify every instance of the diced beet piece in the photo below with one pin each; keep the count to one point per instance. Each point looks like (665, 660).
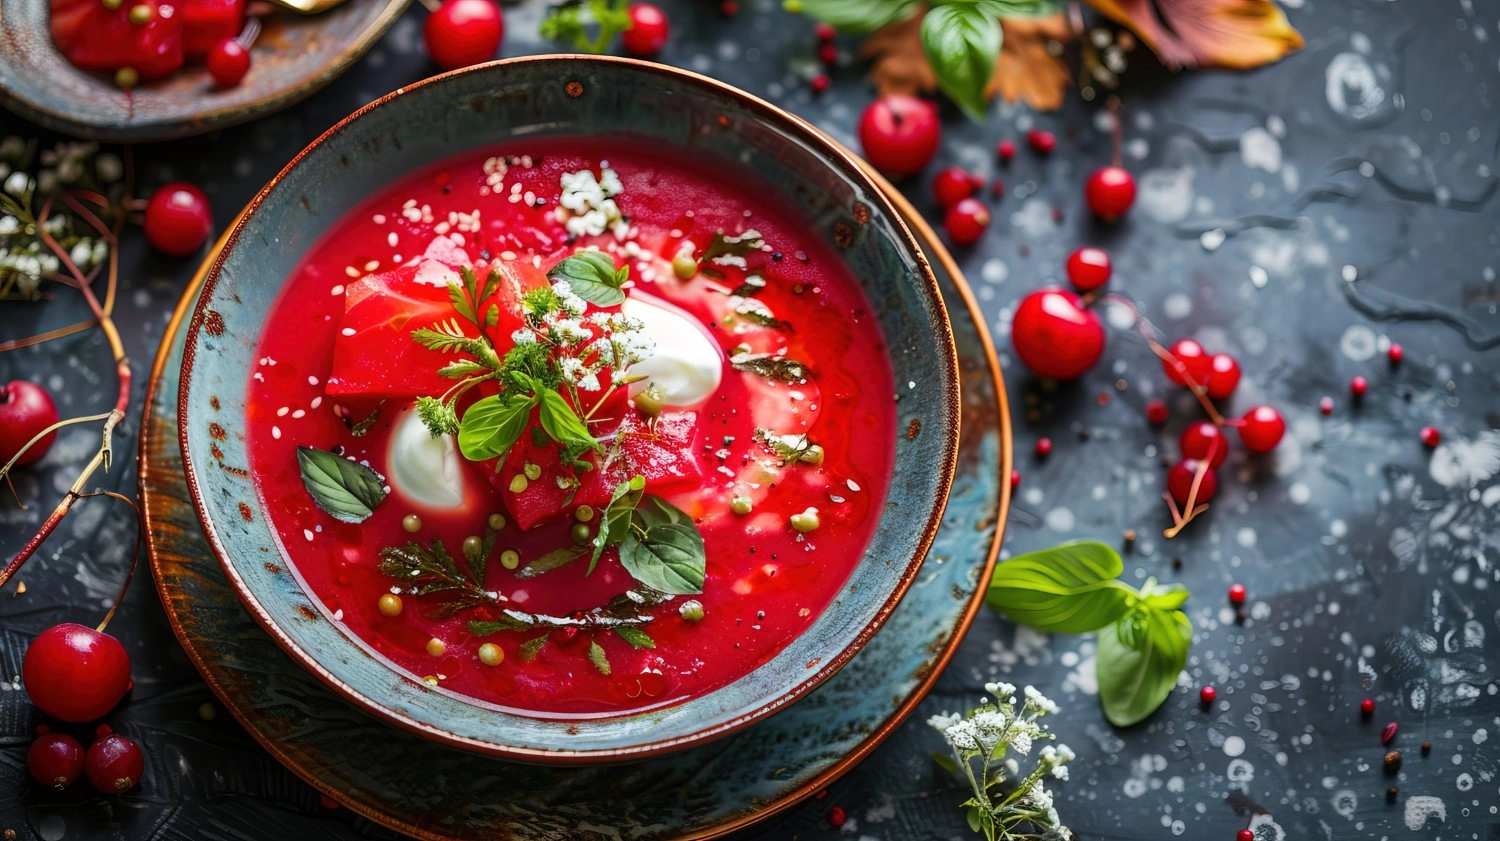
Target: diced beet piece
(69, 17)
(207, 22)
(107, 40)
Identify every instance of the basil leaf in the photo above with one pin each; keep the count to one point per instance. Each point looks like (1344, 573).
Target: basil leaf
(346, 490)
(598, 658)
(1069, 589)
(852, 15)
(493, 424)
(1170, 597)
(593, 277)
(563, 424)
(962, 44)
(1138, 662)
(556, 559)
(1019, 8)
(635, 636)
(669, 557)
(614, 523)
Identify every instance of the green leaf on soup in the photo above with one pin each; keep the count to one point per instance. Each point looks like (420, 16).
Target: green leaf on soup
(563, 424)
(593, 277)
(962, 43)
(1138, 662)
(614, 522)
(635, 636)
(345, 490)
(493, 424)
(598, 657)
(1068, 589)
(664, 550)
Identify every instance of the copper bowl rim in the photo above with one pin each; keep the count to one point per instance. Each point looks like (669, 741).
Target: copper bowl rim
(948, 467)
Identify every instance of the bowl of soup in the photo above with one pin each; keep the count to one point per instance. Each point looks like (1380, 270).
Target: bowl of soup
(570, 409)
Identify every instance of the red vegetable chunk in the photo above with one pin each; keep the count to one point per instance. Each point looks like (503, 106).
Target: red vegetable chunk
(94, 37)
(207, 22)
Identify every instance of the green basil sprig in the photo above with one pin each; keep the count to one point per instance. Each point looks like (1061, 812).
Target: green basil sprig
(593, 277)
(1143, 634)
(346, 490)
(659, 545)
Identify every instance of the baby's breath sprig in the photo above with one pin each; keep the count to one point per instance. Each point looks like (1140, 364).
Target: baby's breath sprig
(980, 742)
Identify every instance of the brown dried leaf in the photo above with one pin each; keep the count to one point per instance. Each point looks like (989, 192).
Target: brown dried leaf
(1237, 34)
(897, 62)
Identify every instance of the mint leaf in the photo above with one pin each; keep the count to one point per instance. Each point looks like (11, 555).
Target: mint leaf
(635, 636)
(556, 559)
(962, 44)
(614, 523)
(1138, 662)
(593, 277)
(664, 550)
(1069, 589)
(1020, 8)
(598, 658)
(493, 424)
(852, 15)
(564, 425)
(345, 490)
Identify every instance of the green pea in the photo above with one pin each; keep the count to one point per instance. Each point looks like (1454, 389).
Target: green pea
(141, 15)
(518, 483)
(510, 559)
(584, 513)
(491, 654)
(412, 523)
(127, 77)
(580, 533)
(691, 610)
(812, 455)
(741, 505)
(532, 471)
(649, 402)
(684, 266)
(806, 521)
(496, 521)
(472, 547)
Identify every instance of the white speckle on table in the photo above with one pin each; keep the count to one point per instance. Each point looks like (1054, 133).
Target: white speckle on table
(994, 270)
(1465, 462)
(1353, 86)
(1358, 343)
(1166, 195)
(1177, 306)
(1345, 803)
(1212, 239)
(1480, 736)
(1060, 519)
(1240, 771)
(1259, 149)
(1234, 746)
(1034, 220)
(1245, 537)
(1421, 809)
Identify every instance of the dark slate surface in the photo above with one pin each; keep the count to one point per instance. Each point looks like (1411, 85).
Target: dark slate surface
(1300, 217)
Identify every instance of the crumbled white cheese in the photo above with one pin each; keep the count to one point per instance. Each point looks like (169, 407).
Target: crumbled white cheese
(587, 206)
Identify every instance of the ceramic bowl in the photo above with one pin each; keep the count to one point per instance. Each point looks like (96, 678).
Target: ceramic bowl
(564, 96)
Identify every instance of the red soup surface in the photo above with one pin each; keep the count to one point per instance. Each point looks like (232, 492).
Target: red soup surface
(744, 380)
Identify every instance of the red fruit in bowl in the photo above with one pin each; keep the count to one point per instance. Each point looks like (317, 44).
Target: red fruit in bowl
(648, 30)
(463, 32)
(208, 23)
(1055, 335)
(899, 133)
(1261, 429)
(1223, 376)
(1202, 441)
(114, 764)
(55, 760)
(75, 673)
(1193, 359)
(1110, 192)
(178, 219)
(228, 62)
(25, 410)
(1089, 269)
(1180, 482)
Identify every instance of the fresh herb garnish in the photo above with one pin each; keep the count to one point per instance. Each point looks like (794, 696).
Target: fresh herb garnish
(598, 658)
(593, 277)
(344, 489)
(663, 549)
(614, 523)
(556, 559)
(361, 429)
(755, 310)
(726, 245)
(1143, 635)
(431, 569)
(567, 22)
(751, 285)
(629, 609)
(635, 636)
(790, 448)
(770, 366)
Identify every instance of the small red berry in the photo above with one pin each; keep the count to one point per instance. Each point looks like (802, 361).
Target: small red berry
(1367, 706)
(1043, 447)
(463, 32)
(1261, 429)
(1388, 733)
(828, 53)
(1206, 695)
(1180, 482)
(25, 410)
(952, 185)
(114, 764)
(1204, 440)
(966, 221)
(1358, 386)
(1110, 192)
(1015, 479)
(1055, 335)
(997, 189)
(327, 802)
(1088, 269)
(228, 62)
(824, 31)
(1156, 412)
(1223, 376)
(1236, 594)
(729, 8)
(899, 133)
(1006, 149)
(75, 673)
(1395, 354)
(1325, 405)
(836, 817)
(1192, 362)
(1430, 436)
(648, 30)
(1244, 835)
(820, 83)
(1043, 142)
(55, 760)
(178, 219)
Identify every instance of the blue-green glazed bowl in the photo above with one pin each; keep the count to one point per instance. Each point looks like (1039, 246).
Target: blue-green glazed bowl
(565, 96)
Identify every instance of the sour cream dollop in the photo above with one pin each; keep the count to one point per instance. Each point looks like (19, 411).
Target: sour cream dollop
(686, 365)
(427, 471)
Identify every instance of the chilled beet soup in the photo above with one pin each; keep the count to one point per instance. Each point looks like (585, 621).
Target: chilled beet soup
(573, 429)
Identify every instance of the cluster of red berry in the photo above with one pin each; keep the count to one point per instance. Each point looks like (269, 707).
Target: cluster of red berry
(77, 675)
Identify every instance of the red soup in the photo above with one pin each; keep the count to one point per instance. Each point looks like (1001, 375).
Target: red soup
(573, 429)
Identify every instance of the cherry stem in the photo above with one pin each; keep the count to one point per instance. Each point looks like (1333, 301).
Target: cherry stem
(5, 470)
(135, 556)
(1180, 522)
(1116, 131)
(1147, 329)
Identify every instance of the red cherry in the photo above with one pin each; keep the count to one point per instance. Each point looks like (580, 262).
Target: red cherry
(1244, 835)
(824, 31)
(55, 760)
(828, 53)
(899, 133)
(1261, 429)
(1367, 706)
(1206, 695)
(114, 764)
(1202, 439)
(966, 221)
(1395, 354)
(1088, 269)
(1430, 436)
(648, 31)
(228, 62)
(1236, 594)
(1006, 149)
(1055, 336)
(1110, 191)
(178, 219)
(729, 8)
(1193, 358)
(1223, 376)
(1325, 405)
(1043, 447)
(25, 409)
(997, 189)
(463, 32)
(952, 185)
(836, 817)
(820, 83)
(1156, 412)
(75, 673)
(1358, 386)
(1015, 479)
(1043, 142)
(1180, 482)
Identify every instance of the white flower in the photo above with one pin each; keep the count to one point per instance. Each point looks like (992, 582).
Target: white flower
(81, 253)
(1060, 772)
(524, 336)
(18, 184)
(1021, 743)
(943, 722)
(962, 736)
(1065, 754)
(1000, 690)
(589, 382)
(1040, 701)
(9, 225)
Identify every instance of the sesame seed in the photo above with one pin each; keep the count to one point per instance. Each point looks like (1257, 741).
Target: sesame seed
(299, 413)
(337, 290)
(347, 331)
(312, 380)
(378, 218)
(853, 485)
(391, 239)
(281, 413)
(507, 255)
(276, 432)
(351, 271)
(307, 533)
(316, 402)
(372, 265)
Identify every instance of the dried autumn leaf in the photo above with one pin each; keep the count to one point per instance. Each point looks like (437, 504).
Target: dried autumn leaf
(1027, 69)
(1237, 34)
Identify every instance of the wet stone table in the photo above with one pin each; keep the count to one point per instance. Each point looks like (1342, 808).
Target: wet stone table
(1301, 217)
